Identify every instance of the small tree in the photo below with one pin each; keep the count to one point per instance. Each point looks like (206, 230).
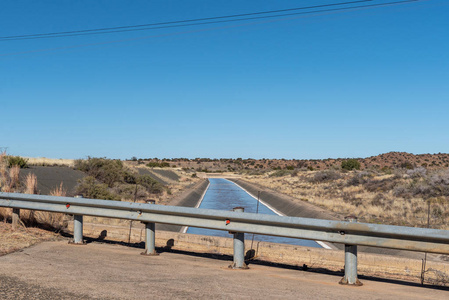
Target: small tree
(17, 161)
(350, 164)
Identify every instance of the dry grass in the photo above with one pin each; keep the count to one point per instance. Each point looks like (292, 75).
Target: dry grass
(373, 202)
(53, 220)
(43, 161)
(11, 241)
(9, 177)
(59, 191)
(31, 184)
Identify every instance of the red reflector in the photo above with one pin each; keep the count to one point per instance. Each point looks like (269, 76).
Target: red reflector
(67, 205)
(228, 222)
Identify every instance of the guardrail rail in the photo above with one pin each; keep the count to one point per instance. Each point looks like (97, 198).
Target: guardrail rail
(350, 233)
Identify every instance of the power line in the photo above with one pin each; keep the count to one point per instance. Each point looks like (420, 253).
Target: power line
(317, 12)
(182, 23)
(130, 27)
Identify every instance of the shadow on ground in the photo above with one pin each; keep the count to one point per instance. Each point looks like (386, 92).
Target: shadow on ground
(249, 262)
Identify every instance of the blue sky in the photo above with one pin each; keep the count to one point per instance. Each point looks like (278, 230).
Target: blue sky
(347, 84)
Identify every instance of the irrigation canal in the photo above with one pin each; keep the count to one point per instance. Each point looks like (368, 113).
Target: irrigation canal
(223, 194)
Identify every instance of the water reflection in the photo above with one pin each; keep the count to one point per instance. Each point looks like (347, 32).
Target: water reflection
(225, 195)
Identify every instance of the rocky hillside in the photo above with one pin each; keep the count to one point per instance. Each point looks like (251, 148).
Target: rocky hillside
(386, 160)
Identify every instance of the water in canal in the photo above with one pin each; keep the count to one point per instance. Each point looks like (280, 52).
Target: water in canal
(223, 194)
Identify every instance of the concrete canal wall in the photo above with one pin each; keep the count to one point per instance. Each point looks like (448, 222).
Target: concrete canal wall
(190, 198)
(285, 204)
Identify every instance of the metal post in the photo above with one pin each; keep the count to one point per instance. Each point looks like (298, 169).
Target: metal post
(150, 237)
(15, 218)
(239, 247)
(350, 277)
(78, 228)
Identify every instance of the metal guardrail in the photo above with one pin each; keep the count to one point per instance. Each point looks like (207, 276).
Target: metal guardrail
(349, 233)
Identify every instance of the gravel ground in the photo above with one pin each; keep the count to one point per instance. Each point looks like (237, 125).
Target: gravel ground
(14, 288)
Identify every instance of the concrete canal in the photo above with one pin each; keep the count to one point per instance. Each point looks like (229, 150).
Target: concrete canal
(223, 194)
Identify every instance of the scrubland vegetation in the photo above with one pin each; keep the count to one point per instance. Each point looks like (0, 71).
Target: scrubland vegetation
(393, 188)
(106, 179)
(398, 196)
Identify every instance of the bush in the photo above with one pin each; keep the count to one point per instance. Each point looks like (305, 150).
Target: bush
(108, 171)
(359, 178)
(158, 165)
(152, 186)
(90, 188)
(105, 170)
(350, 164)
(432, 185)
(323, 176)
(417, 172)
(17, 161)
(128, 191)
(407, 165)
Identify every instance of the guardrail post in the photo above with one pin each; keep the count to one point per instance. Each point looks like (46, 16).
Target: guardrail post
(239, 247)
(350, 277)
(78, 228)
(150, 237)
(15, 218)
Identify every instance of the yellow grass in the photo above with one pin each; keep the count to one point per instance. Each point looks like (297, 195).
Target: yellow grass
(43, 161)
(31, 184)
(336, 196)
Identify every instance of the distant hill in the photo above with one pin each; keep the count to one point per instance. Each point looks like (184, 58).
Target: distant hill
(386, 160)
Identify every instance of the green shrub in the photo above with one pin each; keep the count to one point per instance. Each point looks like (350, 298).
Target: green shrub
(350, 164)
(17, 161)
(151, 185)
(158, 165)
(90, 188)
(108, 171)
